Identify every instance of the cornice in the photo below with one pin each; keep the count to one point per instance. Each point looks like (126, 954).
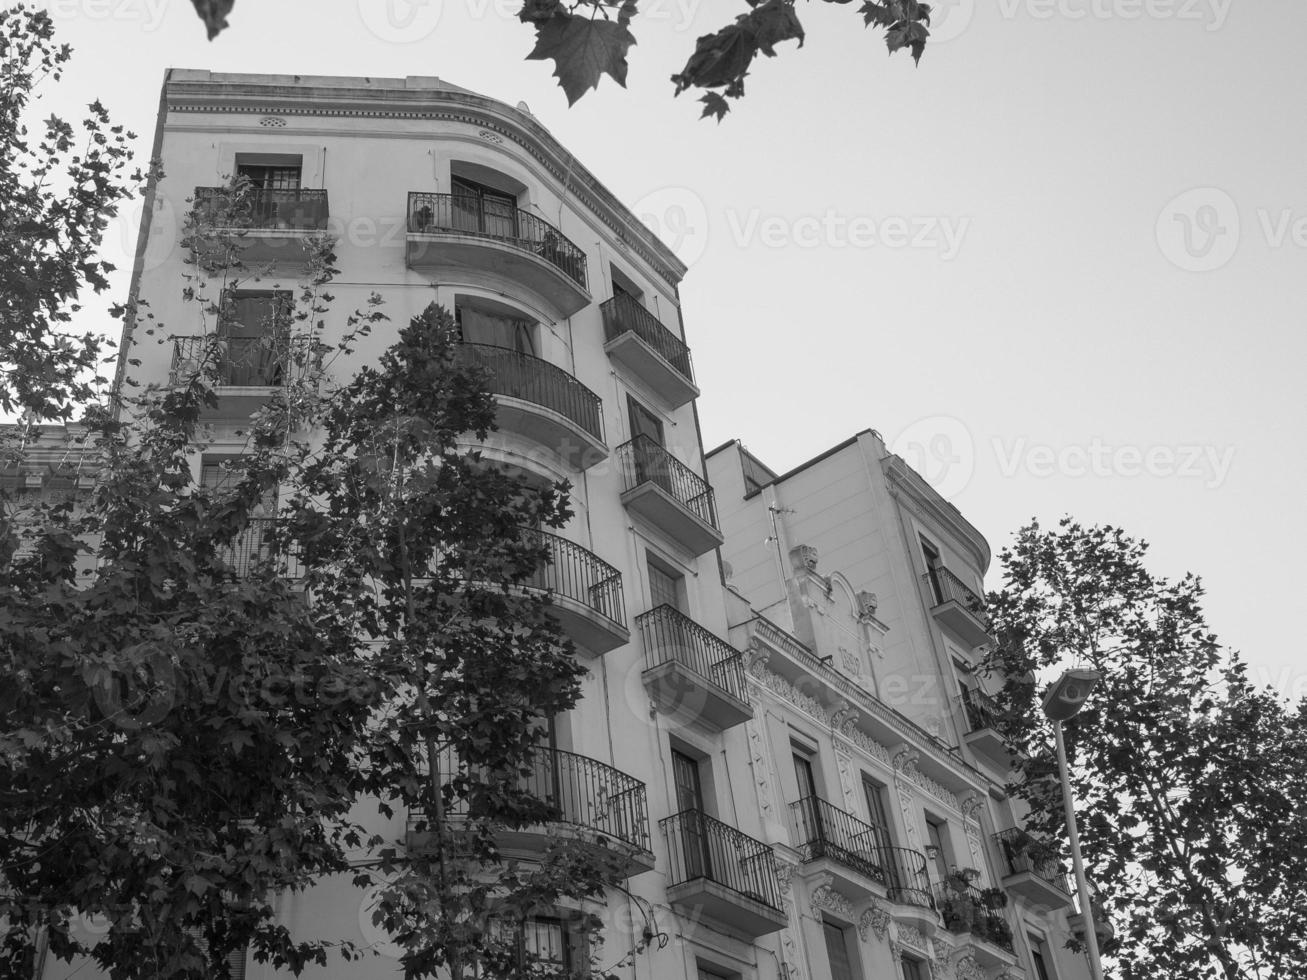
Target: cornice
(443, 105)
(907, 486)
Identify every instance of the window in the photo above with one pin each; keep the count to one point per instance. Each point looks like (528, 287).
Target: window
(803, 773)
(933, 564)
(270, 177)
(876, 816)
(624, 286)
(685, 776)
(254, 326)
(484, 210)
(665, 586)
(937, 836)
(1037, 960)
(483, 322)
(837, 952)
(913, 969)
(547, 940)
(644, 422)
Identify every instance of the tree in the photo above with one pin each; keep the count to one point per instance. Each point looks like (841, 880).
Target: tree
(189, 729)
(60, 186)
(1188, 779)
(587, 39)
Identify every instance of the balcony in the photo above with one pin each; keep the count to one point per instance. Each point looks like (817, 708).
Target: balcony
(586, 592)
(1030, 871)
(718, 872)
(271, 222)
(978, 917)
(257, 546)
(453, 230)
(599, 806)
(957, 608)
(543, 403)
(243, 370)
(637, 340)
(840, 845)
(692, 674)
(669, 495)
(982, 716)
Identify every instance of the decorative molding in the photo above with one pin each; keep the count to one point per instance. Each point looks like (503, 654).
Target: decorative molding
(910, 489)
(761, 768)
(756, 657)
(850, 661)
(844, 765)
(905, 758)
(804, 558)
(273, 121)
(970, 806)
(490, 137)
(911, 939)
(965, 967)
(875, 917)
(825, 897)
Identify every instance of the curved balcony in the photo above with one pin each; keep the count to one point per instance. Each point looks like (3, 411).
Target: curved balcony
(724, 874)
(1030, 871)
(466, 232)
(692, 673)
(586, 591)
(957, 608)
(543, 403)
(599, 806)
(669, 495)
(271, 222)
(983, 735)
(636, 339)
(978, 917)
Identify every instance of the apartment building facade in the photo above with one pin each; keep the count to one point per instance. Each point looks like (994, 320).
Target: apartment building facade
(782, 815)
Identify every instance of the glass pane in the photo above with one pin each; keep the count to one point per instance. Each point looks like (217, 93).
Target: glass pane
(837, 951)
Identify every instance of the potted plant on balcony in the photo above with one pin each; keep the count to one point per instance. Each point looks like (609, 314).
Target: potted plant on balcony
(958, 906)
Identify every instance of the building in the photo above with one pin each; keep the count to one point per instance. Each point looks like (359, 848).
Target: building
(699, 713)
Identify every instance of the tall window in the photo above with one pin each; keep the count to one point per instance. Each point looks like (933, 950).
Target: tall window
(1037, 960)
(933, 564)
(837, 952)
(495, 327)
(665, 586)
(685, 775)
(644, 422)
(913, 969)
(876, 815)
(804, 775)
(482, 209)
(937, 835)
(254, 326)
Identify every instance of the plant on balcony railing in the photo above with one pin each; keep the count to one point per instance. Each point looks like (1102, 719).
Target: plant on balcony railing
(702, 847)
(242, 205)
(578, 574)
(670, 635)
(643, 460)
(981, 710)
(624, 314)
(1024, 852)
(434, 214)
(259, 545)
(270, 361)
(517, 375)
(968, 909)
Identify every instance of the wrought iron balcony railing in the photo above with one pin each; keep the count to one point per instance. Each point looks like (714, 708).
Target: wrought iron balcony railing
(906, 877)
(622, 314)
(822, 830)
(470, 215)
(1023, 852)
(671, 635)
(703, 847)
(967, 909)
(254, 547)
(580, 575)
(517, 375)
(644, 461)
(582, 792)
(297, 208)
(945, 586)
(234, 361)
(981, 710)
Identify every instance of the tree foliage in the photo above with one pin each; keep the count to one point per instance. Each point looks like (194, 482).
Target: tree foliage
(60, 184)
(1189, 780)
(587, 39)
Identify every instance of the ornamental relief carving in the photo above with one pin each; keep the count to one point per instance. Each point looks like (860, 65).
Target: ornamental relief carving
(875, 918)
(825, 897)
(761, 769)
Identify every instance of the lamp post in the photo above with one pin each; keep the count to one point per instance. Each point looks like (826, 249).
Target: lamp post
(1063, 701)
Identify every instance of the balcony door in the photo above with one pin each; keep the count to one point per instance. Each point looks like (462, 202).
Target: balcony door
(650, 462)
(483, 210)
(930, 554)
(689, 803)
(254, 326)
(272, 186)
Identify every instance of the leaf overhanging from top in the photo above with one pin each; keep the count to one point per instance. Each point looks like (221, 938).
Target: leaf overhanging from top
(583, 50)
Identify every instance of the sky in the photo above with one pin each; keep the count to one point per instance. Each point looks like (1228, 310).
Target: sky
(1059, 265)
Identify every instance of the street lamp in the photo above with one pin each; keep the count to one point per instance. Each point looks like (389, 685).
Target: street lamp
(1062, 702)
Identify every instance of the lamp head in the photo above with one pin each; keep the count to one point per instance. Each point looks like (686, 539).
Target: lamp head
(1069, 693)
